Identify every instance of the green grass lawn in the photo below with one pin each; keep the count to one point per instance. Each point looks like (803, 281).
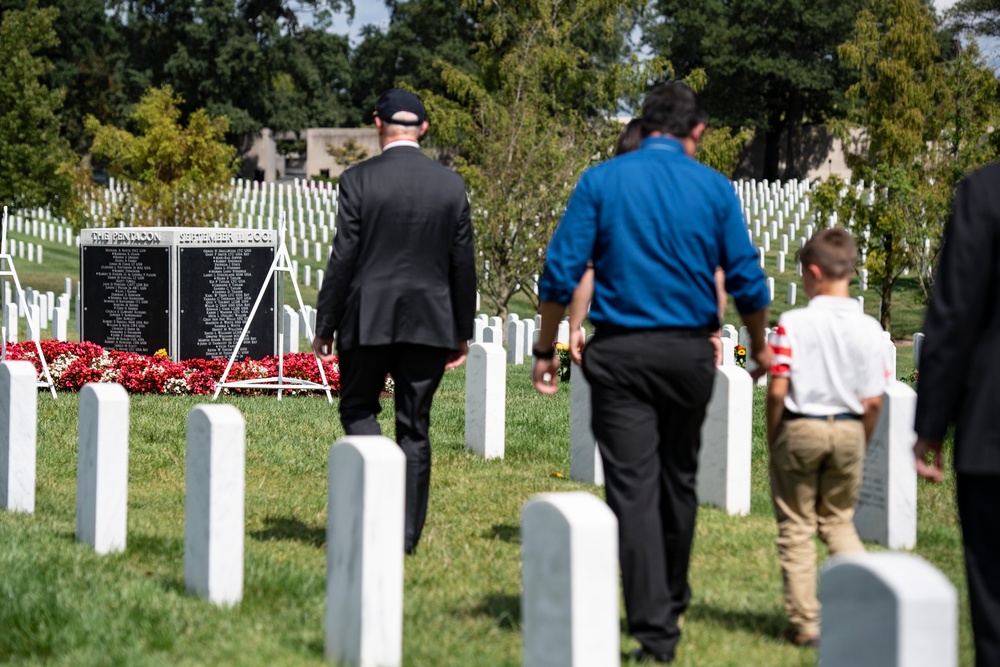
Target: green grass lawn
(61, 604)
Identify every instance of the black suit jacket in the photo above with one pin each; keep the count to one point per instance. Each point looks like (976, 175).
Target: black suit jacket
(960, 359)
(402, 268)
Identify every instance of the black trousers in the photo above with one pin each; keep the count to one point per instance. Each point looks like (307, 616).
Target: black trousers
(416, 371)
(649, 392)
(978, 500)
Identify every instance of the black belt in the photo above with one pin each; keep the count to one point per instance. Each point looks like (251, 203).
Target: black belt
(789, 415)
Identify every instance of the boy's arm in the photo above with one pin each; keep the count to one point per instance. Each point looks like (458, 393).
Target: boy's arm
(872, 406)
(777, 389)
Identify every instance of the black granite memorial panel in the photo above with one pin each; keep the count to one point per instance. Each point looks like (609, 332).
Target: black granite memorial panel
(126, 297)
(218, 287)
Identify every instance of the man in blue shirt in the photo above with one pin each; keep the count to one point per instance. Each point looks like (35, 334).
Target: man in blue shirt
(656, 224)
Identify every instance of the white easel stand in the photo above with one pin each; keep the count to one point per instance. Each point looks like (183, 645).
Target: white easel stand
(282, 262)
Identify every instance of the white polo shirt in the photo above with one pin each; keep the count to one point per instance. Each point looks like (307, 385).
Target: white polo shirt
(834, 355)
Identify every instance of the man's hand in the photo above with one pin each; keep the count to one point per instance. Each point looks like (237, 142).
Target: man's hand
(933, 471)
(545, 375)
(762, 358)
(457, 357)
(323, 348)
(576, 345)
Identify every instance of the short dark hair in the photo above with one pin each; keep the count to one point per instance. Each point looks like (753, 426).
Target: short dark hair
(671, 108)
(630, 137)
(833, 251)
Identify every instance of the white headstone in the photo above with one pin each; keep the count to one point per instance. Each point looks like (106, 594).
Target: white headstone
(770, 287)
(918, 343)
(529, 332)
(102, 467)
(791, 294)
(290, 328)
(364, 552)
(887, 504)
(485, 400)
(728, 351)
(887, 610)
(515, 342)
(214, 503)
(562, 333)
(34, 322)
(60, 324)
(491, 334)
(584, 455)
(726, 443)
(863, 279)
(496, 322)
(569, 575)
(890, 357)
(729, 331)
(478, 329)
(781, 262)
(18, 429)
(10, 321)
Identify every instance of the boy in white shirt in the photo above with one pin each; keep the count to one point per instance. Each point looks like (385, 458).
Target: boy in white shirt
(823, 402)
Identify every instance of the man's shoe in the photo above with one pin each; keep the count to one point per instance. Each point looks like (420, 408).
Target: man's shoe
(803, 640)
(648, 657)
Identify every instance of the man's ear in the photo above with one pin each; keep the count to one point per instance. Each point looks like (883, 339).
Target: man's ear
(697, 131)
(423, 130)
(814, 271)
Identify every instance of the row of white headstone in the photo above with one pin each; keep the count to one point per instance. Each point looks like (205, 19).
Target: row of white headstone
(887, 512)
(880, 609)
(42, 310)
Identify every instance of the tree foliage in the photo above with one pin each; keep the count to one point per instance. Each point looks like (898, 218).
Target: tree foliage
(419, 33)
(527, 122)
(253, 62)
(771, 65)
(176, 175)
(924, 125)
(31, 148)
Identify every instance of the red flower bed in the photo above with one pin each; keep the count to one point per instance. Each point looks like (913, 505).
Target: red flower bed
(73, 365)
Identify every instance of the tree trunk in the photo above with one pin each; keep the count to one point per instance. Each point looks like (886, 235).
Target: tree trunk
(772, 154)
(887, 282)
(793, 125)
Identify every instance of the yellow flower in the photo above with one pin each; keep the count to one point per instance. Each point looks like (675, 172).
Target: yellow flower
(160, 353)
(562, 347)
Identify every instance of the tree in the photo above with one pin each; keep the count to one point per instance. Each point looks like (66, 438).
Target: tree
(981, 17)
(527, 122)
(771, 65)
(419, 33)
(31, 148)
(253, 62)
(924, 125)
(87, 62)
(177, 176)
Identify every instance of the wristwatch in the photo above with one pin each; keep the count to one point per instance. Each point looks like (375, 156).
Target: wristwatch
(544, 355)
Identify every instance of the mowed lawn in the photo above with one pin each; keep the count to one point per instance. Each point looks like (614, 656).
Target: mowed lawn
(61, 604)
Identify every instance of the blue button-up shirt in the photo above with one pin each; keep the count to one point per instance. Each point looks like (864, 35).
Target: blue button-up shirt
(656, 224)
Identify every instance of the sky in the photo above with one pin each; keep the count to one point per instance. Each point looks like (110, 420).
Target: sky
(365, 12)
(375, 12)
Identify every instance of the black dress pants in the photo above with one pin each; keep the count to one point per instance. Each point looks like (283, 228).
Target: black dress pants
(416, 371)
(978, 500)
(649, 392)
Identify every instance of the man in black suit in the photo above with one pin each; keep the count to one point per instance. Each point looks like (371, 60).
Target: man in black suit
(400, 289)
(960, 384)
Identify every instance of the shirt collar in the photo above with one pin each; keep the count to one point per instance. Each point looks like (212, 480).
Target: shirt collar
(400, 142)
(663, 144)
(835, 303)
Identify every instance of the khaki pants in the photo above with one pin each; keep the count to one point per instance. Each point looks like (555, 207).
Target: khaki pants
(816, 467)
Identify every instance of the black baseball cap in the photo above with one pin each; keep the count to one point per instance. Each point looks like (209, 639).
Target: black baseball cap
(395, 100)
